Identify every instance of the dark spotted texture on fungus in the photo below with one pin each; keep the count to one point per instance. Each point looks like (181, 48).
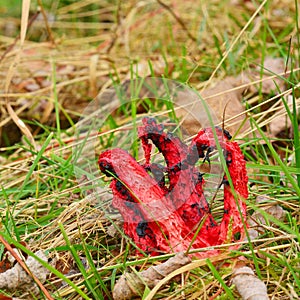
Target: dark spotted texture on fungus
(163, 218)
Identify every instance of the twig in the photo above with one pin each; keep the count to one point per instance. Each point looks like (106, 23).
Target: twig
(23, 265)
(181, 23)
(46, 22)
(10, 47)
(115, 33)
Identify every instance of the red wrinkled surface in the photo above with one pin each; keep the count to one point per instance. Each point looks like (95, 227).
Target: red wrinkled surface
(163, 218)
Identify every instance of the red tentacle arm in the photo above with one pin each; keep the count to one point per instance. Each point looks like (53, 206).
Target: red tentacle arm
(235, 209)
(234, 200)
(185, 181)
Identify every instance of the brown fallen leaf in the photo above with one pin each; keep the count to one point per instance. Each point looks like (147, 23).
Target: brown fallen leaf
(257, 222)
(8, 260)
(133, 284)
(248, 285)
(17, 278)
(3, 297)
(224, 93)
(271, 80)
(5, 265)
(225, 97)
(280, 120)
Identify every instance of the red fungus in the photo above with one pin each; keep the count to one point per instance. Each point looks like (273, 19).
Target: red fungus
(162, 217)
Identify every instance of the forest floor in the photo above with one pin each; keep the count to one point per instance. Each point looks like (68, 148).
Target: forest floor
(72, 85)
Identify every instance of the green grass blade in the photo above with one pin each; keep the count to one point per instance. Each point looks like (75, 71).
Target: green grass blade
(45, 264)
(94, 269)
(34, 164)
(219, 278)
(79, 264)
(278, 160)
(296, 136)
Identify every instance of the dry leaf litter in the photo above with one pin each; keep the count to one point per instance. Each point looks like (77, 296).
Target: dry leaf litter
(17, 278)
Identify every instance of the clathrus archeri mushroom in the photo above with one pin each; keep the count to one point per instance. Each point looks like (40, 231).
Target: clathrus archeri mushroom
(163, 207)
